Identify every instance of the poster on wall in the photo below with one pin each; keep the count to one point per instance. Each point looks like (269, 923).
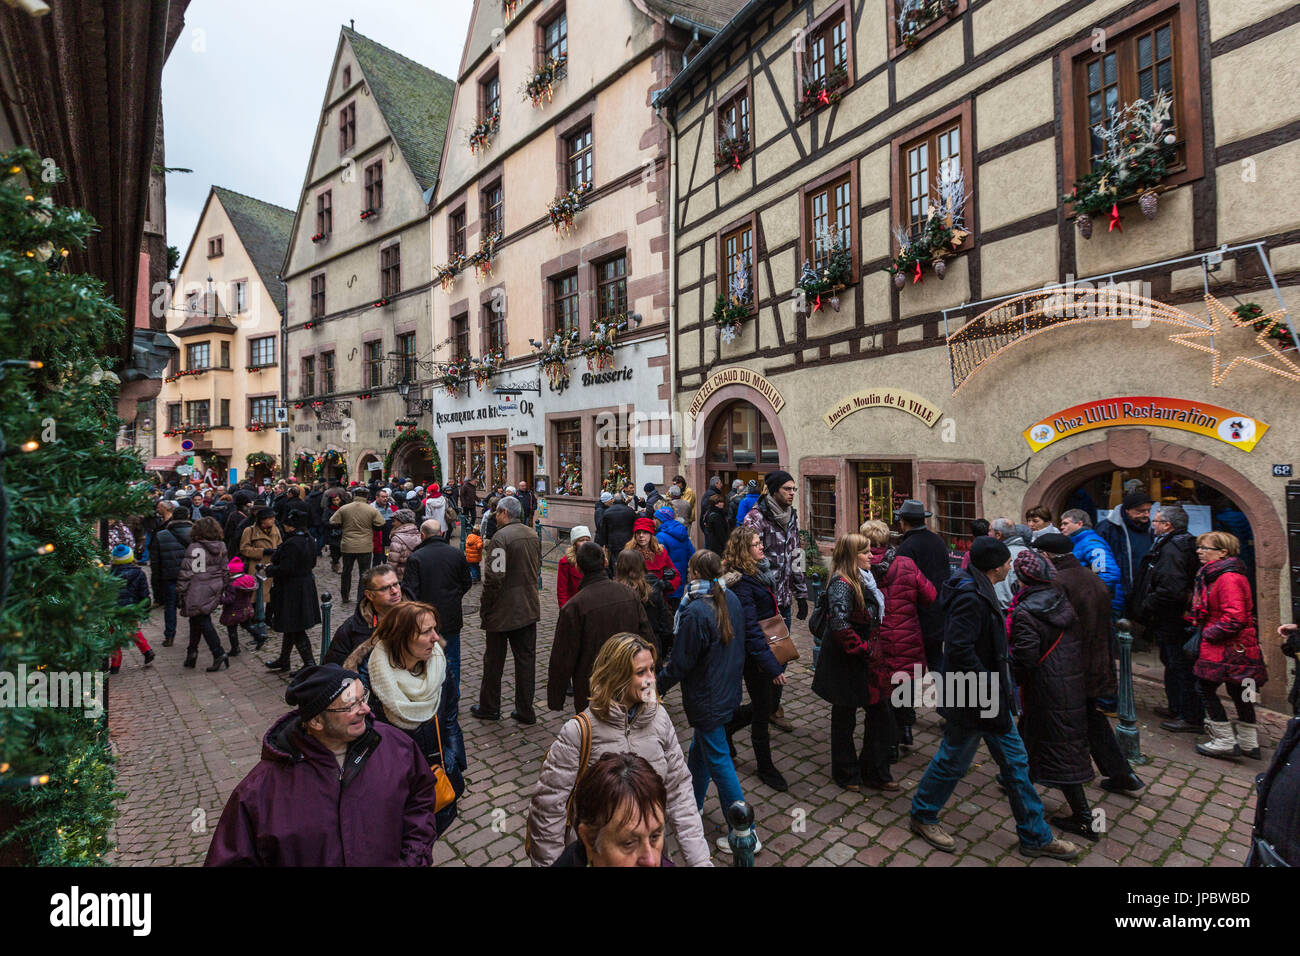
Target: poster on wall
(1233, 428)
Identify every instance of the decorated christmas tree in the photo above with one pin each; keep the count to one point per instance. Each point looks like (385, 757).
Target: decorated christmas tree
(62, 476)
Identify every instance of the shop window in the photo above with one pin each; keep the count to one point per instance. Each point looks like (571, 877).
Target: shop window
(615, 455)
(460, 339)
(577, 150)
(954, 511)
(318, 296)
(457, 469)
(883, 486)
(308, 376)
(197, 356)
(564, 295)
(390, 270)
(374, 363)
(821, 507)
(477, 462)
(261, 410)
(327, 373)
(611, 288)
(262, 351)
(497, 447)
(196, 413)
(568, 449)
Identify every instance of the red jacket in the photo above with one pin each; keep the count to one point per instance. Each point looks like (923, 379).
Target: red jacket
(1223, 608)
(656, 566)
(567, 580)
(905, 589)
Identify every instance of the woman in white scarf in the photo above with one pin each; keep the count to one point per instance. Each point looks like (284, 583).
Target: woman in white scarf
(405, 668)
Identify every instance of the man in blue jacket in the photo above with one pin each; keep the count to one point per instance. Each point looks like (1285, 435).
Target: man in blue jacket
(1092, 551)
(1126, 529)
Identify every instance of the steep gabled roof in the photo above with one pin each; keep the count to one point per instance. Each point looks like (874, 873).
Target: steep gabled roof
(414, 100)
(713, 14)
(263, 229)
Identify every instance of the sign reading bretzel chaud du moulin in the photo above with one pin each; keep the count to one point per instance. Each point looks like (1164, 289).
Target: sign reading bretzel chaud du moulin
(1240, 431)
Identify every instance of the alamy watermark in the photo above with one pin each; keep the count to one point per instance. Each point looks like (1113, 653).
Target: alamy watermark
(55, 689)
(963, 689)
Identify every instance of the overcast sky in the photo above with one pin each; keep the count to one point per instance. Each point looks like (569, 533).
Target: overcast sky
(243, 88)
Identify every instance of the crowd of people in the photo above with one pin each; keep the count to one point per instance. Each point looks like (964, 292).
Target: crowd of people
(1028, 622)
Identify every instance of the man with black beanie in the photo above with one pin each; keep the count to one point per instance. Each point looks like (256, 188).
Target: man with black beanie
(333, 788)
(929, 552)
(977, 696)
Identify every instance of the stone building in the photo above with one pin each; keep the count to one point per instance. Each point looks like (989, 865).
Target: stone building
(357, 267)
(937, 139)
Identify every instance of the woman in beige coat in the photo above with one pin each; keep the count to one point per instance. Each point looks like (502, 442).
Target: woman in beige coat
(625, 716)
(406, 538)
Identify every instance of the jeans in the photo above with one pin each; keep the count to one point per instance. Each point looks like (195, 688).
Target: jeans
(953, 759)
(169, 610)
(1180, 683)
(362, 561)
(452, 652)
(474, 574)
(710, 759)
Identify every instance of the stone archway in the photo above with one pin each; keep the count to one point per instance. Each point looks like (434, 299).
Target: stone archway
(696, 454)
(1130, 448)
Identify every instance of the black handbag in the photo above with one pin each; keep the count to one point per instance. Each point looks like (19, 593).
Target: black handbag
(1193, 646)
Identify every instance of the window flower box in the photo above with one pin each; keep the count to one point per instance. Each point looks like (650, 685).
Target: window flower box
(368, 214)
(256, 426)
(480, 137)
(447, 274)
(380, 302)
(941, 234)
(824, 91)
(486, 254)
(731, 151)
(915, 15)
(320, 237)
(831, 278)
(541, 85)
(565, 209)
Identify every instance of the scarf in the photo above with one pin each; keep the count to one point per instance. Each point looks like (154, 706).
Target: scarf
(780, 516)
(694, 589)
(766, 573)
(869, 585)
(408, 700)
(1206, 576)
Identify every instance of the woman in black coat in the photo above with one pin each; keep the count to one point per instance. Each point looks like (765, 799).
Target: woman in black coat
(1048, 663)
(629, 570)
(714, 523)
(293, 608)
(749, 577)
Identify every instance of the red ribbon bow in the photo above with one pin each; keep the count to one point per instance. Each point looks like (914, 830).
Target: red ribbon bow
(822, 98)
(917, 276)
(817, 303)
(1115, 222)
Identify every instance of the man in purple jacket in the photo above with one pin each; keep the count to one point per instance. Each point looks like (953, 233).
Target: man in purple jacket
(333, 788)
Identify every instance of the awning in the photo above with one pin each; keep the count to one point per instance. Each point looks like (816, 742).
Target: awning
(165, 462)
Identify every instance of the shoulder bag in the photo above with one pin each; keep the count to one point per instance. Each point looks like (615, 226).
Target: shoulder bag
(779, 641)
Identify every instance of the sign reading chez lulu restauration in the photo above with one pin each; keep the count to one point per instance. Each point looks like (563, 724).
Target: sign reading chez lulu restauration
(1240, 431)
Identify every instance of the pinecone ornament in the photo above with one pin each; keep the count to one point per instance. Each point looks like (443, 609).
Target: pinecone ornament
(940, 267)
(1084, 222)
(900, 280)
(1148, 202)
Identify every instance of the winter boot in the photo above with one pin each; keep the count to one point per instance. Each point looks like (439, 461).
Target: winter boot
(1248, 739)
(1222, 743)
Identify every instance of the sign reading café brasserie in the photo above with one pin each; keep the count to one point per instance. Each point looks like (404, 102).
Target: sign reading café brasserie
(736, 376)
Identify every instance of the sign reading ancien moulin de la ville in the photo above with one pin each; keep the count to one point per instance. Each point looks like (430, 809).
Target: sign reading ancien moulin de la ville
(898, 398)
(736, 376)
(1240, 431)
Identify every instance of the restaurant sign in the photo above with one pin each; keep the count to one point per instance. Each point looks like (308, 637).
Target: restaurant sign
(736, 376)
(1240, 431)
(897, 398)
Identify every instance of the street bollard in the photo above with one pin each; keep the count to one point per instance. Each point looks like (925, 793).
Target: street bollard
(740, 834)
(260, 605)
(324, 623)
(1126, 734)
(540, 587)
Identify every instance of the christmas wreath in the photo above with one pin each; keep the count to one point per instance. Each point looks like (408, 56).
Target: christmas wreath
(256, 458)
(414, 435)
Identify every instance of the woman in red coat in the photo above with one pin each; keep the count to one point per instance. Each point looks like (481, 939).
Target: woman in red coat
(905, 589)
(1224, 611)
(568, 578)
(658, 564)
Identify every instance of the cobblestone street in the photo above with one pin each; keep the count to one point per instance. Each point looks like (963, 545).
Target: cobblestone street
(184, 738)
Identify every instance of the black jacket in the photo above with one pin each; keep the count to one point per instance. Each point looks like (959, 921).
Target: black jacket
(930, 554)
(314, 507)
(843, 675)
(1277, 811)
(714, 523)
(975, 642)
(170, 544)
(134, 586)
(710, 672)
(351, 634)
(233, 530)
(661, 619)
(1047, 650)
(294, 605)
(438, 574)
(616, 527)
(1162, 587)
(759, 603)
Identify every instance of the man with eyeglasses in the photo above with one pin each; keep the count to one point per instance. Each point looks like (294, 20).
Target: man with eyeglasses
(776, 521)
(380, 593)
(333, 788)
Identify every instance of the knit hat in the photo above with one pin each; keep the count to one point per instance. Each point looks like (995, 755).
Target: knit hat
(752, 487)
(579, 531)
(649, 487)
(775, 479)
(1033, 567)
(263, 513)
(1054, 543)
(315, 688)
(235, 565)
(1136, 499)
(606, 497)
(666, 514)
(122, 554)
(644, 524)
(435, 491)
(987, 553)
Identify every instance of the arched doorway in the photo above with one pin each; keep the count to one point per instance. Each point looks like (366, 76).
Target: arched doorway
(415, 460)
(737, 435)
(1135, 452)
(334, 464)
(364, 474)
(304, 465)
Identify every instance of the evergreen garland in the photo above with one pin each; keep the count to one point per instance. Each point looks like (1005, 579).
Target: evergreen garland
(60, 612)
(405, 438)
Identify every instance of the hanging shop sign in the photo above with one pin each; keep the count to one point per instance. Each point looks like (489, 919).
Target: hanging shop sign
(736, 376)
(1234, 428)
(898, 398)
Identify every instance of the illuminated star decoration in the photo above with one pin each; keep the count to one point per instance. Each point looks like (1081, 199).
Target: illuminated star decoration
(1217, 311)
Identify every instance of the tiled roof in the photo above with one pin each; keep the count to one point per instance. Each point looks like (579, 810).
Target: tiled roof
(264, 230)
(415, 102)
(708, 13)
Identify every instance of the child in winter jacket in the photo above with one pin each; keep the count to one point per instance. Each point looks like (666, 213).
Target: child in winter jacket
(135, 588)
(474, 552)
(237, 605)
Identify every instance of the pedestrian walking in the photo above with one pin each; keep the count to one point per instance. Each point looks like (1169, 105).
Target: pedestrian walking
(624, 716)
(358, 521)
(1006, 531)
(568, 577)
(681, 508)
(170, 541)
(474, 554)
(333, 788)
(412, 687)
(708, 660)
(714, 523)
(658, 564)
(258, 541)
(1093, 552)
(405, 539)
(617, 526)
(975, 652)
(237, 605)
(747, 501)
(748, 575)
(438, 574)
(929, 553)
(509, 610)
(619, 809)
(630, 572)
(675, 537)
(199, 586)
(1228, 654)
(294, 609)
(135, 588)
(600, 609)
(380, 593)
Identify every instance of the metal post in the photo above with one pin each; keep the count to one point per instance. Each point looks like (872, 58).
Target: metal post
(540, 587)
(814, 596)
(740, 833)
(325, 606)
(259, 604)
(1126, 733)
